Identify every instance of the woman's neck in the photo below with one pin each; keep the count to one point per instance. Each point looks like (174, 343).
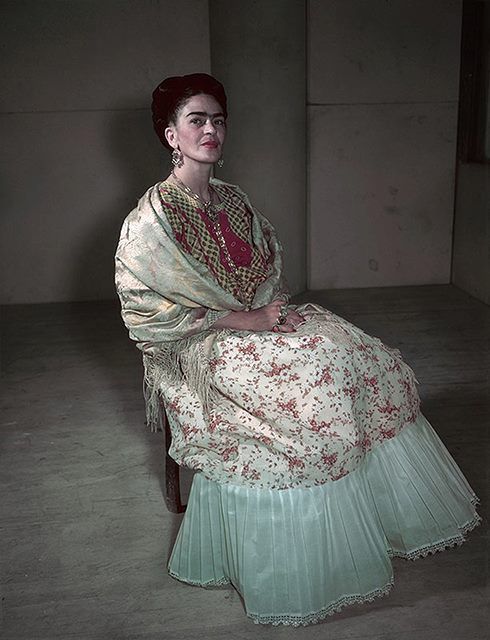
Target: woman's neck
(196, 177)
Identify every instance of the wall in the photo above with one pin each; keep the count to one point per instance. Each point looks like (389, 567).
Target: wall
(258, 51)
(382, 114)
(78, 144)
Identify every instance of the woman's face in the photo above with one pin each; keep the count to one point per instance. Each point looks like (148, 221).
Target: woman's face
(199, 131)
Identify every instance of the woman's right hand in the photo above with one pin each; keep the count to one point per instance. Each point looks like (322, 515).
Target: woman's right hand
(262, 319)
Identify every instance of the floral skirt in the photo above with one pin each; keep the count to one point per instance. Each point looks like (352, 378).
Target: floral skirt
(315, 467)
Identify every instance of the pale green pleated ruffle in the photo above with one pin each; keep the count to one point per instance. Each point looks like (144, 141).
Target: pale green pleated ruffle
(298, 555)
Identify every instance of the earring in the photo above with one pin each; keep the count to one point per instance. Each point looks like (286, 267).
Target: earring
(220, 162)
(177, 158)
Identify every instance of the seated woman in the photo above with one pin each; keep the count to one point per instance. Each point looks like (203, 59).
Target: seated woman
(315, 465)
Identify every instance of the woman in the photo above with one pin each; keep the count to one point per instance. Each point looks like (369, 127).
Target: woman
(315, 463)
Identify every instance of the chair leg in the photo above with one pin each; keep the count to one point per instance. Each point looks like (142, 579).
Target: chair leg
(172, 472)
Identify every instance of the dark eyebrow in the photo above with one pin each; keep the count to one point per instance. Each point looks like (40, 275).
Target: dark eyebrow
(203, 113)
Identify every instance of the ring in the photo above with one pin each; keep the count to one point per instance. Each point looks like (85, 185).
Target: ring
(283, 314)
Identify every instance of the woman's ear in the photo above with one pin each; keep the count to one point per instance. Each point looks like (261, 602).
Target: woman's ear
(170, 136)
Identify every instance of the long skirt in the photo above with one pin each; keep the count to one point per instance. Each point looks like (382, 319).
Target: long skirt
(315, 467)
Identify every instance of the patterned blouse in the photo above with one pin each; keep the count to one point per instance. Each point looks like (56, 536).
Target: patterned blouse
(222, 241)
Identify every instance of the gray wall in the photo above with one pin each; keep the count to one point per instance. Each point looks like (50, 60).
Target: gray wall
(258, 51)
(382, 113)
(78, 145)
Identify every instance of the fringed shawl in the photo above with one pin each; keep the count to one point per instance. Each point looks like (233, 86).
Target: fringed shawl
(169, 299)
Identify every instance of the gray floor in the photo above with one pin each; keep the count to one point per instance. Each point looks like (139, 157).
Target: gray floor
(85, 533)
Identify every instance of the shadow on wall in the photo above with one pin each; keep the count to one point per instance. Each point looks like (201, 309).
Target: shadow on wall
(134, 161)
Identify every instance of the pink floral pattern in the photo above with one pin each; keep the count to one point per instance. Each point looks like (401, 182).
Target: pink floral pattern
(294, 410)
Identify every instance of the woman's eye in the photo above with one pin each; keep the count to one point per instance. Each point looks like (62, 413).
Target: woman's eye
(197, 121)
(220, 122)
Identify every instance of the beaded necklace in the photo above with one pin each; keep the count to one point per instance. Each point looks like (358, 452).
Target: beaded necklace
(210, 209)
(207, 241)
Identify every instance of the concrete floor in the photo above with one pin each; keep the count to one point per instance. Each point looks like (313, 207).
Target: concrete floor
(85, 532)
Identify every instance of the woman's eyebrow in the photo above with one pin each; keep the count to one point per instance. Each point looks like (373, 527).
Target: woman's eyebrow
(203, 113)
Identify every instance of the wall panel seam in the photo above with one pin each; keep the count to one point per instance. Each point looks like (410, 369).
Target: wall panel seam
(108, 110)
(367, 104)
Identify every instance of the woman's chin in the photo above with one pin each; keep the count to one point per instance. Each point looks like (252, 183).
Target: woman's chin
(210, 156)
(210, 159)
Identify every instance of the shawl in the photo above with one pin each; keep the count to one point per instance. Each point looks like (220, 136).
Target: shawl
(170, 300)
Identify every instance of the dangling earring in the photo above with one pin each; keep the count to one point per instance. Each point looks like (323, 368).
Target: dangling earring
(177, 158)
(220, 162)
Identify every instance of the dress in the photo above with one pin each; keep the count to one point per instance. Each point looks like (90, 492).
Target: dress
(315, 464)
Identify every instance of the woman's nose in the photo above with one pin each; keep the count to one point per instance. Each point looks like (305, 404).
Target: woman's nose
(209, 127)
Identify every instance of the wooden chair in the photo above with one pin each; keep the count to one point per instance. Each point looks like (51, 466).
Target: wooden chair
(172, 471)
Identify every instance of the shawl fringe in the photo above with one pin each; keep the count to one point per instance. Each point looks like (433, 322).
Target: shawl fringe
(179, 362)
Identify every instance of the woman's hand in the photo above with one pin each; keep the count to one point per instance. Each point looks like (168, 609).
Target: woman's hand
(262, 319)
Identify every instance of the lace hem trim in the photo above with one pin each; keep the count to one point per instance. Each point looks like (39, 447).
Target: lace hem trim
(442, 545)
(317, 616)
(220, 582)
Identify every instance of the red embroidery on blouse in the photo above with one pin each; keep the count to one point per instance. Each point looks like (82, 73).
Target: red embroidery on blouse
(240, 251)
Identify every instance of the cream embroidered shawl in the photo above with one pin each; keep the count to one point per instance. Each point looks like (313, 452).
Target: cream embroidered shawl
(169, 300)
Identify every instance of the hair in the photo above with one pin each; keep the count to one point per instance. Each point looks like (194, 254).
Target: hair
(171, 95)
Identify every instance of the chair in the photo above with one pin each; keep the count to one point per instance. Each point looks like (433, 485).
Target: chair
(172, 471)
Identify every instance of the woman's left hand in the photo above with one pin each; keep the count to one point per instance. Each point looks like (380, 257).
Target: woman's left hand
(275, 316)
(288, 320)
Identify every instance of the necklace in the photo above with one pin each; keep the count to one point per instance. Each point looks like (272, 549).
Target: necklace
(207, 204)
(211, 210)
